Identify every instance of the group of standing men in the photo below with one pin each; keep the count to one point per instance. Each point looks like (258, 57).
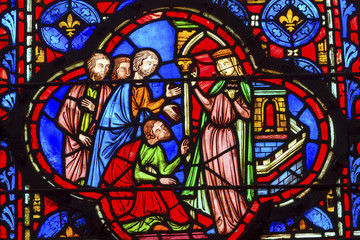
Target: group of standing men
(80, 113)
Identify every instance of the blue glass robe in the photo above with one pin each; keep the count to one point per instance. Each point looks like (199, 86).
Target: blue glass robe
(116, 127)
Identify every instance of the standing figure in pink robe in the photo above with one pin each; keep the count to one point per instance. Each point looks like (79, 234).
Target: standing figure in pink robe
(219, 147)
(78, 115)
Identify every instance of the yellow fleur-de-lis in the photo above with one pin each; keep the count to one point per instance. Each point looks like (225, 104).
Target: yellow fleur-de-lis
(184, 64)
(69, 25)
(290, 20)
(69, 233)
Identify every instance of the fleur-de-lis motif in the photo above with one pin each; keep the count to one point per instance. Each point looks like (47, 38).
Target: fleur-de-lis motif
(290, 20)
(69, 25)
(69, 233)
(184, 64)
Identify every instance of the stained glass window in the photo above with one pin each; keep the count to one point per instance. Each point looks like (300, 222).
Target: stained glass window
(208, 119)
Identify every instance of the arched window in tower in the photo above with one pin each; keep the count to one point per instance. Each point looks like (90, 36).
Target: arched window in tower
(269, 121)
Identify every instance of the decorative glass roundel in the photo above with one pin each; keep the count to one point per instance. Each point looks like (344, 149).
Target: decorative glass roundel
(176, 145)
(68, 25)
(290, 23)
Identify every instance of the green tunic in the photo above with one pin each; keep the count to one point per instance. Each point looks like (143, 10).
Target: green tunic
(151, 166)
(87, 116)
(154, 158)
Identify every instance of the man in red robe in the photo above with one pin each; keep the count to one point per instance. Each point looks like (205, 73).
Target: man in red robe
(78, 115)
(143, 164)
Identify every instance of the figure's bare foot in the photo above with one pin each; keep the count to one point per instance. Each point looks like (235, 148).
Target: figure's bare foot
(161, 228)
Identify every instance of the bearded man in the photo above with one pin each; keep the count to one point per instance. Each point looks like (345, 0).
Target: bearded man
(78, 115)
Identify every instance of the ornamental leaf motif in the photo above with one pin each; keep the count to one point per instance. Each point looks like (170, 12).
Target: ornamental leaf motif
(9, 61)
(352, 92)
(8, 216)
(8, 178)
(8, 100)
(9, 21)
(351, 53)
(354, 169)
(346, 11)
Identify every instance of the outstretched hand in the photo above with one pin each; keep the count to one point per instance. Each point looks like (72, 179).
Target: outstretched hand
(167, 181)
(184, 146)
(88, 104)
(169, 110)
(173, 92)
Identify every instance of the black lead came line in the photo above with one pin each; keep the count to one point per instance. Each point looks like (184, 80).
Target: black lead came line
(299, 76)
(354, 187)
